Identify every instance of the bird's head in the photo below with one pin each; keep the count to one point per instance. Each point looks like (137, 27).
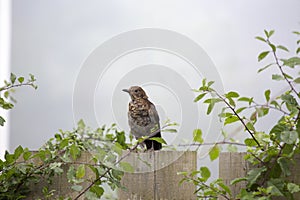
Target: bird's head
(136, 92)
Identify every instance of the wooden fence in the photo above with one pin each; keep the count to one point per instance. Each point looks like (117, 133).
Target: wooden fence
(232, 165)
(155, 176)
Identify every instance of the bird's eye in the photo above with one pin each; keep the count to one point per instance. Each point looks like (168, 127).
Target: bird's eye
(135, 91)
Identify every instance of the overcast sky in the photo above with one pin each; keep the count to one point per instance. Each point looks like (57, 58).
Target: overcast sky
(56, 40)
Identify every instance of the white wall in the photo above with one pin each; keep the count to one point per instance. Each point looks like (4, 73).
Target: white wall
(5, 36)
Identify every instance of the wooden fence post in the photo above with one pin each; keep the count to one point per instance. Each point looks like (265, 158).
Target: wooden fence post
(155, 176)
(232, 165)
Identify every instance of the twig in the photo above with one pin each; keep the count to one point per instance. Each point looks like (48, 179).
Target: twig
(16, 85)
(238, 116)
(269, 106)
(281, 70)
(216, 191)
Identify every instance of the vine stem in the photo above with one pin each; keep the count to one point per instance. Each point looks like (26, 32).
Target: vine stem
(238, 116)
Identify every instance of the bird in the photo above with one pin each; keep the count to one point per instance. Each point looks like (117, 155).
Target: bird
(143, 118)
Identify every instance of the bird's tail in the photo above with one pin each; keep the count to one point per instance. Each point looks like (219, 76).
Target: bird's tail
(152, 144)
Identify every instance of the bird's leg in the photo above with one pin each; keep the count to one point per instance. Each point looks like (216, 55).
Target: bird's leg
(143, 146)
(151, 149)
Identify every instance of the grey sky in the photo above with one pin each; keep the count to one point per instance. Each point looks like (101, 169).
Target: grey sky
(52, 39)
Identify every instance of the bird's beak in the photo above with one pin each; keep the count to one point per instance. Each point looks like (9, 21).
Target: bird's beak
(125, 90)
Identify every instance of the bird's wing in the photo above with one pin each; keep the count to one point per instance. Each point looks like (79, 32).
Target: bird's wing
(154, 118)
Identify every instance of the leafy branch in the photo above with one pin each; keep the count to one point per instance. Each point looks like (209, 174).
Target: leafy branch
(6, 100)
(273, 50)
(20, 170)
(129, 151)
(228, 100)
(272, 153)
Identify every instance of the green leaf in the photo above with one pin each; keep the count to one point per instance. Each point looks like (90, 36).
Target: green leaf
(275, 171)
(9, 158)
(232, 148)
(26, 155)
(211, 104)
(250, 142)
(225, 187)
(74, 151)
(6, 94)
(262, 55)
(13, 78)
(64, 143)
(210, 83)
(81, 124)
(8, 106)
(265, 67)
(184, 173)
(246, 99)
(298, 50)
(284, 165)
(204, 82)
(97, 190)
(293, 188)
(56, 167)
(289, 137)
(267, 95)
(254, 174)
(250, 126)
(266, 33)
(290, 102)
(277, 77)
(271, 32)
(287, 76)
(260, 38)
(237, 180)
(214, 152)
(169, 130)
(231, 119)
(232, 95)
(296, 32)
(18, 151)
(278, 129)
(273, 47)
(127, 167)
(2, 121)
(21, 79)
(80, 172)
(288, 150)
(291, 62)
(297, 80)
(240, 109)
(76, 188)
(158, 139)
(231, 101)
(262, 111)
(205, 173)
(277, 186)
(282, 48)
(199, 97)
(197, 135)
(32, 78)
